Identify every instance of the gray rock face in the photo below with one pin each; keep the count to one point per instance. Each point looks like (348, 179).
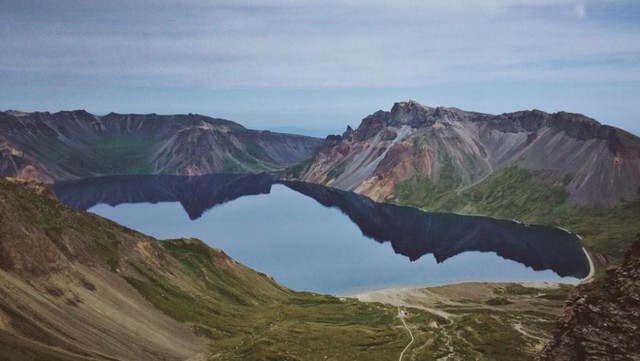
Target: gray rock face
(601, 164)
(602, 319)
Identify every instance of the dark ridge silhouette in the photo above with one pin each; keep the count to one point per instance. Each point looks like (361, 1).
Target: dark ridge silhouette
(196, 194)
(412, 232)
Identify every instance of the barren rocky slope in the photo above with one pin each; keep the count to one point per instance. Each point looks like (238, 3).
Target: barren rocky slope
(71, 144)
(602, 319)
(449, 149)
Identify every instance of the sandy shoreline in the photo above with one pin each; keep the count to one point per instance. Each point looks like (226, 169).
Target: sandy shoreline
(592, 268)
(376, 295)
(433, 298)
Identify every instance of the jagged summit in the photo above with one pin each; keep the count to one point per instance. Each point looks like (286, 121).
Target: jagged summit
(595, 164)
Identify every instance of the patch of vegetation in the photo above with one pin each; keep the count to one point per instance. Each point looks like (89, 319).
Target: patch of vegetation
(120, 154)
(337, 170)
(498, 301)
(489, 337)
(530, 197)
(106, 154)
(297, 170)
(251, 317)
(437, 194)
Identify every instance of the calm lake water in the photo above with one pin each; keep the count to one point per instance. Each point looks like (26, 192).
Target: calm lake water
(301, 243)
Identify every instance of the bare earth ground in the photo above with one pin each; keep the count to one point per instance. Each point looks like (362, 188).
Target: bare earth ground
(478, 320)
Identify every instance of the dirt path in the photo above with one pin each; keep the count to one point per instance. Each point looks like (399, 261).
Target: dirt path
(401, 315)
(459, 192)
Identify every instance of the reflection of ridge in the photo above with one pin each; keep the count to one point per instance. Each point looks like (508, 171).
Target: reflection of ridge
(414, 233)
(196, 194)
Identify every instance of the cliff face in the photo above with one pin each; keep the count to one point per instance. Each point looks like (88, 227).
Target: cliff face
(66, 145)
(454, 150)
(602, 319)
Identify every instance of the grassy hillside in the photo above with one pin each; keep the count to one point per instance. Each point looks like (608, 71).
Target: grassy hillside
(531, 197)
(72, 279)
(72, 261)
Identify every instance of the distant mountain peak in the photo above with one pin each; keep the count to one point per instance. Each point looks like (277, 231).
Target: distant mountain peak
(593, 163)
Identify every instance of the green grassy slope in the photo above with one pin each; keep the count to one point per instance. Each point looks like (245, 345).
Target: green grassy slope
(249, 316)
(531, 197)
(241, 313)
(244, 314)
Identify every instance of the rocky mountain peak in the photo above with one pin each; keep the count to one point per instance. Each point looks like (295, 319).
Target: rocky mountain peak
(411, 113)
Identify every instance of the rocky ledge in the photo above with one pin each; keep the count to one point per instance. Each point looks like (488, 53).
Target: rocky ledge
(602, 319)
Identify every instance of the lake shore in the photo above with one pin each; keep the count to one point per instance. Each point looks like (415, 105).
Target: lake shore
(434, 297)
(521, 314)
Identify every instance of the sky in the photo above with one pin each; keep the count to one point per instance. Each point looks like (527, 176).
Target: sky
(317, 66)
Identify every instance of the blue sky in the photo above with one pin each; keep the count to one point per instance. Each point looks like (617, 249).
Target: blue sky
(321, 65)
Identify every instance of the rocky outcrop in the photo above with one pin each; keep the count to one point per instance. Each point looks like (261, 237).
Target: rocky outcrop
(70, 144)
(597, 164)
(602, 319)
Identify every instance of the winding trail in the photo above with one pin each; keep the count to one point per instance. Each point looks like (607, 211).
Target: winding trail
(410, 333)
(481, 179)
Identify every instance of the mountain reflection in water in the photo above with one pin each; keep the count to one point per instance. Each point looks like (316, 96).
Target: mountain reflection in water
(412, 232)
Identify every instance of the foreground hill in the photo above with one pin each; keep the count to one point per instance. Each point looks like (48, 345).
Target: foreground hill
(71, 144)
(74, 286)
(562, 169)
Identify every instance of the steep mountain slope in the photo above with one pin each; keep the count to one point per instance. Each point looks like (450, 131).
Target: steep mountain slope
(559, 169)
(451, 149)
(74, 286)
(66, 145)
(601, 320)
(61, 296)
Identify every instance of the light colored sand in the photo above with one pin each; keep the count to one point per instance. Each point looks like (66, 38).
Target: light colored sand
(592, 268)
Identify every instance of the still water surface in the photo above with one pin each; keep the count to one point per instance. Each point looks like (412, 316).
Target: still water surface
(307, 246)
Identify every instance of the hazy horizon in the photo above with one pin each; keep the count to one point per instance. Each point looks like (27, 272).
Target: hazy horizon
(321, 66)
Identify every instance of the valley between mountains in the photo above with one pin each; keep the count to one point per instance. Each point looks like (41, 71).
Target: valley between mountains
(79, 287)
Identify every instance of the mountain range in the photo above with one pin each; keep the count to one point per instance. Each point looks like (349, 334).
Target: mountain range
(74, 144)
(76, 286)
(451, 150)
